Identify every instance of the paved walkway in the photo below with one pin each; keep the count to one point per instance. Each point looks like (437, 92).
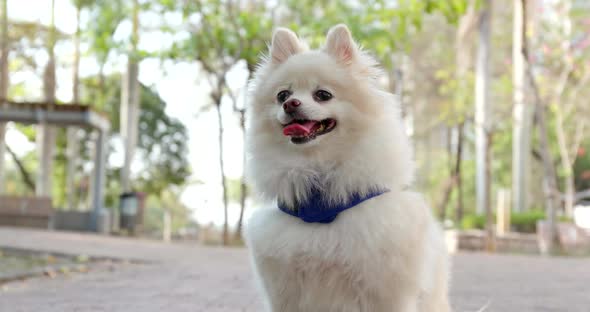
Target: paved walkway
(181, 277)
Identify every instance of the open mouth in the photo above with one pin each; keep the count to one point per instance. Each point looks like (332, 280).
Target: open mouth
(303, 131)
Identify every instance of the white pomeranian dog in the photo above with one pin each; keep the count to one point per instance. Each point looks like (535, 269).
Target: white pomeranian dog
(327, 153)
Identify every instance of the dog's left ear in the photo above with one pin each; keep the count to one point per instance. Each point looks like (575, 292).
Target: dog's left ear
(284, 44)
(340, 45)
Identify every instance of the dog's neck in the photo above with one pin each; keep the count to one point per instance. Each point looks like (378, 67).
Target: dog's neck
(319, 208)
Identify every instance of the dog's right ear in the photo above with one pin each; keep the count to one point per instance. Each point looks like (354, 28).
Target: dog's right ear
(339, 44)
(284, 44)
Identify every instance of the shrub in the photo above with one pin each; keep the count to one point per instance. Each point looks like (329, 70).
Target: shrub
(470, 222)
(525, 222)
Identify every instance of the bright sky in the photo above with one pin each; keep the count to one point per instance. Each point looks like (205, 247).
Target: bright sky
(180, 85)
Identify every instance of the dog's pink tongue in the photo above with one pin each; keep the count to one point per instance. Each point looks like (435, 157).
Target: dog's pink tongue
(296, 129)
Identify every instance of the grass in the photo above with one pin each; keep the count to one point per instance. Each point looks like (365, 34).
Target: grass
(16, 264)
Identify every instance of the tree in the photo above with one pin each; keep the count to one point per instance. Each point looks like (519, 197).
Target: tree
(130, 100)
(102, 43)
(218, 41)
(240, 35)
(25, 40)
(18, 181)
(549, 176)
(162, 143)
(582, 171)
(243, 188)
(522, 113)
(165, 214)
(46, 133)
(72, 138)
(3, 81)
(458, 111)
(549, 183)
(482, 127)
(101, 35)
(566, 72)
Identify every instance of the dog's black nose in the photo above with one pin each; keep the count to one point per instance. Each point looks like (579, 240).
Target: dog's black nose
(291, 106)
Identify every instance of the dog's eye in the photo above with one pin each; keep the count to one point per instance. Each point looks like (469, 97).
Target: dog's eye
(283, 96)
(322, 96)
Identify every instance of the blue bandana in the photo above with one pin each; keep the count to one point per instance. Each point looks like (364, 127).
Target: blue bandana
(317, 209)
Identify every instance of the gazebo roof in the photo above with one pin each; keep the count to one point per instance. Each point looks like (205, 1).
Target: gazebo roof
(56, 114)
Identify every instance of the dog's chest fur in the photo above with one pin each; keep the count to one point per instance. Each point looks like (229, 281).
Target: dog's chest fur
(342, 266)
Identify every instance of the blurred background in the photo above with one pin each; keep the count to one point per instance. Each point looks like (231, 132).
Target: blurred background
(127, 117)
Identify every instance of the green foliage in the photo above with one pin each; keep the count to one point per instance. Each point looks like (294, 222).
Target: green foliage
(378, 24)
(456, 95)
(83, 3)
(157, 205)
(162, 143)
(473, 221)
(524, 222)
(224, 34)
(234, 189)
(502, 156)
(438, 178)
(14, 182)
(582, 168)
(449, 101)
(25, 34)
(162, 140)
(563, 55)
(59, 169)
(226, 30)
(105, 16)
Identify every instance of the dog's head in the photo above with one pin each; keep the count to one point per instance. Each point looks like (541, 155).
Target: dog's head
(314, 112)
(311, 96)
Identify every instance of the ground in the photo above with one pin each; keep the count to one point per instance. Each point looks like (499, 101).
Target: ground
(185, 277)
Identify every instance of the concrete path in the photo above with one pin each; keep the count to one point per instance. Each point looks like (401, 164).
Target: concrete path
(181, 277)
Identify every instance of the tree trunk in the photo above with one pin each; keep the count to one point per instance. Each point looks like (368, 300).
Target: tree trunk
(23, 170)
(522, 117)
(570, 195)
(549, 182)
(490, 241)
(549, 175)
(3, 82)
(451, 181)
(45, 132)
(72, 139)
(482, 90)
(447, 191)
(454, 179)
(243, 187)
(167, 225)
(222, 173)
(101, 81)
(450, 134)
(462, 63)
(396, 84)
(567, 159)
(567, 164)
(482, 128)
(130, 97)
(458, 173)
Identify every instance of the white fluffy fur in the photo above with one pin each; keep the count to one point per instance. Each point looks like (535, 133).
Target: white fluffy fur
(386, 254)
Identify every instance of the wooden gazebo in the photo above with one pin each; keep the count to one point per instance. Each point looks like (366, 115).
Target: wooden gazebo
(65, 116)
